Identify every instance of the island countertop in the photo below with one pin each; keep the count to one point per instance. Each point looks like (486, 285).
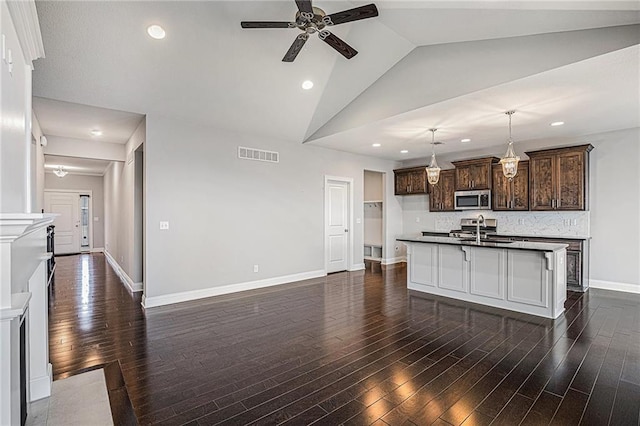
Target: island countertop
(516, 245)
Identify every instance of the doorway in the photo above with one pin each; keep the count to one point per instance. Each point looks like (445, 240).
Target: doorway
(337, 219)
(373, 219)
(73, 226)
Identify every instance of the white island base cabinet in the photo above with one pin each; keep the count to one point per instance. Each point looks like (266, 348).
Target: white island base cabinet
(528, 281)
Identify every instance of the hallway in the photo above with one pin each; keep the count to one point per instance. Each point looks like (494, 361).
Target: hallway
(349, 348)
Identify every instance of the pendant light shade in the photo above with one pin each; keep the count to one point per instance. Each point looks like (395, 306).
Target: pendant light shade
(510, 160)
(60, 172)
(433, 171)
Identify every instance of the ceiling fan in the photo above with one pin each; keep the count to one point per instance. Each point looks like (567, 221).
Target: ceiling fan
(311, 20)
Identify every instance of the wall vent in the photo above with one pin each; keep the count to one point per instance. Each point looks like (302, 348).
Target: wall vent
(258, 154)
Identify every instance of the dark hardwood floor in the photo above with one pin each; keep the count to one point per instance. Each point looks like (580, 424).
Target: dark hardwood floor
(351, 348)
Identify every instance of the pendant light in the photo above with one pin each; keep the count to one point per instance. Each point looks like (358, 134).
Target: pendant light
(510, 160)
(433, 171)
(60, 172)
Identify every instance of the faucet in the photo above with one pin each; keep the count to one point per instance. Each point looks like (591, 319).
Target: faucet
(479, 220)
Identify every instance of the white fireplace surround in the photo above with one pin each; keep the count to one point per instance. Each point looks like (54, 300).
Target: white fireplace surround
(23, 297)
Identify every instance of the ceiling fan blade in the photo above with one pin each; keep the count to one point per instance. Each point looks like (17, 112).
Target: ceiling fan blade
(356, 14)
(304, 6)
(267, 24)
(338, 44)
(295, 48)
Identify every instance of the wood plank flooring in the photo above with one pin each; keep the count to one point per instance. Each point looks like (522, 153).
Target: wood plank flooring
(351, 348)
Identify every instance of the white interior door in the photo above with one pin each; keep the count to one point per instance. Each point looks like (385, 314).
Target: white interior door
(337, 225)
(67, 231)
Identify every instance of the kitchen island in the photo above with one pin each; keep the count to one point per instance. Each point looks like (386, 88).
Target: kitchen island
(522, 276)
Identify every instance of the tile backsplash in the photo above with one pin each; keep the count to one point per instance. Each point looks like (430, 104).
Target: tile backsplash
(561, 224)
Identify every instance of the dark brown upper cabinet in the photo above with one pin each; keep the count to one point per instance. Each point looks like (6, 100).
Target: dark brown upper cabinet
(559, 178)
(411, 181)
(441, 197)
(474, 174)
(510, 194)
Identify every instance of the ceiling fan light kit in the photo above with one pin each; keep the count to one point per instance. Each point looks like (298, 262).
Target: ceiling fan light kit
(312, 20)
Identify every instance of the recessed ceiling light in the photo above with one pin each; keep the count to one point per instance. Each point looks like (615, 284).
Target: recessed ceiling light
(376, 145)
(96, 132)
(465, 140)
(307, 84)
(557, 123)
(404, 151)
(156, 31)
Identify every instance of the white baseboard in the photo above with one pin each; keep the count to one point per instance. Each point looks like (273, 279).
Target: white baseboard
(40, 387)
(133, 287)
(168, 299)
(392, 260)
(97, 250)
(357, 267)
(612, 285)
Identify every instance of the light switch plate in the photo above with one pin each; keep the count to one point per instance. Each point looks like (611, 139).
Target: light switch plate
(96, 219)
(164, 225)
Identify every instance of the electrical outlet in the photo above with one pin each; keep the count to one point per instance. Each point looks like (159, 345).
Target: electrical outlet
(358, 220)
(521, 221)
(256, 268)
(418, 219)
(164, 225)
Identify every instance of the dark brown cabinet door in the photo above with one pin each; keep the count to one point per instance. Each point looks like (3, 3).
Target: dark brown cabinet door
(402, 183)
(474, 174)
(448, 179)
(570, 181)
(418, 182)
(500, 196)
(574, 263)
(542, 182)
(558, 178)
(481, 176)
(463, 178)
(441, 194)
(519, 190)
(411, 181)
(510, 195)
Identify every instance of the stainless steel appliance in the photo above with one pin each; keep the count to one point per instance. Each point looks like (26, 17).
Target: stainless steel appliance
(472, 200)
(468, 228)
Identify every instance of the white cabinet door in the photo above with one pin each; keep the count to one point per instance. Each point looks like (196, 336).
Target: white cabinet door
(337, 210)
(453, 268)
(488, 272)
(67, 231)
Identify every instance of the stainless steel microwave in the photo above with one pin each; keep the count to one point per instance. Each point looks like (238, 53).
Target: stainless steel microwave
(473, 200)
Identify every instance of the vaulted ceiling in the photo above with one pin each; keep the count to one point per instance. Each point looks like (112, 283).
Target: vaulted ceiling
(453, 65)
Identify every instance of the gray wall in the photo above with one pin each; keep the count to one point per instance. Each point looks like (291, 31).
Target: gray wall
(119, 196)
(84, 182)
(227, 214)
(614, 203)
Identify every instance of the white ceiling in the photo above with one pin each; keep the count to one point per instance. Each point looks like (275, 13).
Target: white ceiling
(211, 71)
(71, 120)
(77, 166)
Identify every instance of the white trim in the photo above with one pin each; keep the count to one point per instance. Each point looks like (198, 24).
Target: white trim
(97, 250)
(40, 387)
(350, 208)
(168, 299)
(392, 260)
(357, 267)
(126, 280)
(25, 19)
(616, 286)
